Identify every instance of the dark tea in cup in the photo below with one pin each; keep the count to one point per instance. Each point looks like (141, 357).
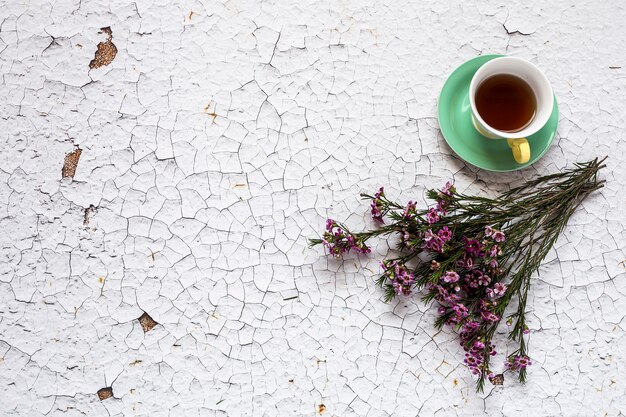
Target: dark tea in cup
(506, 102)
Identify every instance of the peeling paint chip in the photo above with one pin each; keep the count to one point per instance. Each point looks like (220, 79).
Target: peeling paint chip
(498, 379)
(147, 322)
(321, 408)
(105, 393)
(106, 52)
(70, 163)
(88, 211)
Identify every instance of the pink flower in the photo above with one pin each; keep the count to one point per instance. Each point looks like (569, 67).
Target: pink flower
(338, 241)
(377, 206)
(471, 326)
(429, 235)
(488, 231)
(409, 210)
(478, 345)
(489, 316)
(484, 280)
(432, 216)
(401, 279)
(499, 289)
(460, 312)
(518, 362)
(451, 276)
(498, 236)
(447, 189)
(433, 242)
(442, 207)
(473, 247)
(445, 234)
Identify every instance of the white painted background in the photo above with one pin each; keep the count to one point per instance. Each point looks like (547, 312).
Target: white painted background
(216, 143)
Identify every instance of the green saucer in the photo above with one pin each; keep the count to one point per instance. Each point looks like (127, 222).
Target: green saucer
(455, 122)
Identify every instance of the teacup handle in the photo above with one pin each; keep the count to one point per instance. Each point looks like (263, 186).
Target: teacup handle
(521, 150)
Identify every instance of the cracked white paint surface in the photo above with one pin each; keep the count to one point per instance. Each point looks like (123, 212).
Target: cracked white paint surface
(216, 142)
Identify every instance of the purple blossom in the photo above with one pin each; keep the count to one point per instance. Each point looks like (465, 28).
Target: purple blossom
(488, 316)
(436, 246)
(448, 189)
(433, 242)
(451, 277)
(429, 236)
(442, 207)
(488, 231)
(471, 326)
(397, 287)
(432, 216)
(339, 241)
(466, 262)
(409, 210)
(377, 206)
(471, 360)
(441, 291)
(492, 349)
(473, 247)
(460, 312)
(522, 362)
(475, 278)
(445, 234)
(498, 236)
(484, 280)
(478, 346)
(401, 279)
(452, 298)
(443, 295)
(518, 362)
(499, 289)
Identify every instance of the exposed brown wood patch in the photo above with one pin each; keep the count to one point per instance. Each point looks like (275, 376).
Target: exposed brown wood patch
(147, 322)
(105, 393)
(70, 163)
(106, 52)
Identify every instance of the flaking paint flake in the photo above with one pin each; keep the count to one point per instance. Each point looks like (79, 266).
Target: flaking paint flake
(70, 163)
(147, 322)
(106, 52)
(208, 140)
(105, 393)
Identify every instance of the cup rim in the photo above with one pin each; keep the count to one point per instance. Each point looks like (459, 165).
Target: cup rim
(535, 125)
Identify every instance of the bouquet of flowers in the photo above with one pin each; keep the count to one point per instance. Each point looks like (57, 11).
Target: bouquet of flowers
(472, 255)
